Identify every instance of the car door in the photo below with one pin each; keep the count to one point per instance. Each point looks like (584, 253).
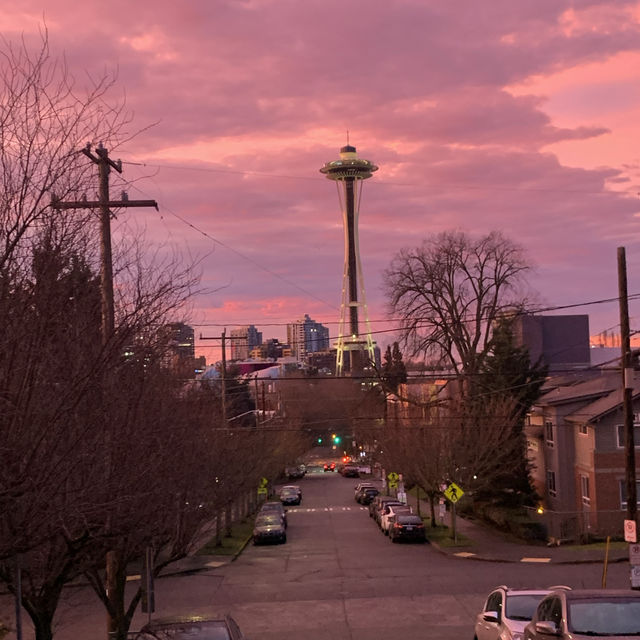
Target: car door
(486, 630)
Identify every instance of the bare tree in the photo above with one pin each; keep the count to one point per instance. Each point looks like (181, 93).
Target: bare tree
(448, 292)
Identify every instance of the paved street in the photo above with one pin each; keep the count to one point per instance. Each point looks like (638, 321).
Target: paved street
(339, 578)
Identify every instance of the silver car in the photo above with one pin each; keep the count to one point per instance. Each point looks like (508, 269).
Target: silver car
(507, 611)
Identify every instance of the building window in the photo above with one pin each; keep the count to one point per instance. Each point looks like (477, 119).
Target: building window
(582, 429)
(623, 493)
(584, 486)
(551, 483)
(548, 432)
(636, 436)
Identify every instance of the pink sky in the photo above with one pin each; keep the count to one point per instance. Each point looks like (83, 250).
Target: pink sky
(519, 116)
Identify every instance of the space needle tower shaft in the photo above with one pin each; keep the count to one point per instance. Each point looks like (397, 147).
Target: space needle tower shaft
(349, 172)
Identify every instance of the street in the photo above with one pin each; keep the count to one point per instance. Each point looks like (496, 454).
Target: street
(337, 577)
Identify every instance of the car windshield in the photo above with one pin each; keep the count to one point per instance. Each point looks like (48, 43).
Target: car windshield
(522, 606)
(263, 521)
(191, 630)
(610, 617)
(271, 506)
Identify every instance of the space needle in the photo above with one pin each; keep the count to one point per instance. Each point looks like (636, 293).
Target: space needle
(349, 172)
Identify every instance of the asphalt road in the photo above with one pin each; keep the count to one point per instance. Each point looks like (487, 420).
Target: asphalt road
(337, 577)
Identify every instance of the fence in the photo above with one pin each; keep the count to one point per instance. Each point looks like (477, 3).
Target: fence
(579, 526)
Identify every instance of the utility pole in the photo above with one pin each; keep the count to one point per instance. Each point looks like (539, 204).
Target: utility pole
(104, 204)
(223, 371)
(627, 380)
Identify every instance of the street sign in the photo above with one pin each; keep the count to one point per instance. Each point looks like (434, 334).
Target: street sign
(402, 497)
(634, 554)
(453, 492)
(635, 577)
(630, 531)
(393, 477)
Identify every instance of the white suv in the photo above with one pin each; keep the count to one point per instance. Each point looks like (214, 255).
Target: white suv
(390, 512)
(507, 611)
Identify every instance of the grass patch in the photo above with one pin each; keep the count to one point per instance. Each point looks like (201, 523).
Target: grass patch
(442, 536)
(601, 544)
(230, 545)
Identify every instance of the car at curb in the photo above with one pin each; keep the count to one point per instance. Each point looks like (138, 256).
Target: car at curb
(408, 527)
(507, 611)
(191, 628)
(575, 614)
(269, 528)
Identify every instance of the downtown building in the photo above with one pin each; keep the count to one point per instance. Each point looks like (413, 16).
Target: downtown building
(306, 336)
(243, 340)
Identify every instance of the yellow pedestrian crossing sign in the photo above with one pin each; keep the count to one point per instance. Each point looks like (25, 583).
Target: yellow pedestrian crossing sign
(453, 492)
(393, 478)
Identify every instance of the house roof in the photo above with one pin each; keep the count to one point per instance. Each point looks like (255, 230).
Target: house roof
(602, 406)
(581, 389)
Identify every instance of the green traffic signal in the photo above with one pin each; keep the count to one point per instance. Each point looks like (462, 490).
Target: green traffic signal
(337, 439)
(319, 440)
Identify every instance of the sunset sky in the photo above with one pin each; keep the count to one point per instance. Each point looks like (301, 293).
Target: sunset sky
(517, 115)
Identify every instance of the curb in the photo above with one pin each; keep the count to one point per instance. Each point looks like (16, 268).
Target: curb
(243, 546)
(485, 558)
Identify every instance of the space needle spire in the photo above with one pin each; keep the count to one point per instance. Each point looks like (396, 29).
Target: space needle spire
(349, 172)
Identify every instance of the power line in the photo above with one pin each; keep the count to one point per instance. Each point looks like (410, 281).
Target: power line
(382, 182)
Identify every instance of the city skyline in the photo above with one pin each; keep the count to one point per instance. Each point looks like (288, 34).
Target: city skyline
(512, 116)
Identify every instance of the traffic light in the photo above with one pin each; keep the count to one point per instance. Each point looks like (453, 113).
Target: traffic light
(319, 440)
(336, 439)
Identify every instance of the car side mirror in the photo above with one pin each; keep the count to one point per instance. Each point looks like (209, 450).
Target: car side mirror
(491, 616)
(547, 627)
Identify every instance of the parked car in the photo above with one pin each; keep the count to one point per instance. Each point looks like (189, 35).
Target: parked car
(363, 485)
(507, 611)
(406, 526)
(377, 516)
(191, 627)
(377, 502)
(294, 473)
(268, 507)
(289, 496)
(350, 471)
(269, 527)
(366, 495)
(582, 613)
(295, 487)
(389, 512)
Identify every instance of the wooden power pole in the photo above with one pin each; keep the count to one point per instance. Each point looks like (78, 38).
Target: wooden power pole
(114, 560)
(627, 379)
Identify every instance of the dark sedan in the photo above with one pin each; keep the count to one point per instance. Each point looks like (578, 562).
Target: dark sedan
(289, 496)
(407, 527)
(366, 496)
(269, 528)
(271, 507)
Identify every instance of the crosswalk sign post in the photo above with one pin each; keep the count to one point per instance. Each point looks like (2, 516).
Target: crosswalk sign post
(262, 488)
(453, 493)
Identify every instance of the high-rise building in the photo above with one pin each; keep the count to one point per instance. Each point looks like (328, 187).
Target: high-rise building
(349, 172)
(306, 336)
(181, 339)
(243, 340)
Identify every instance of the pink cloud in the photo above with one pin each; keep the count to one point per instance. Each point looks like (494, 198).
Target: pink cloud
(481, 116)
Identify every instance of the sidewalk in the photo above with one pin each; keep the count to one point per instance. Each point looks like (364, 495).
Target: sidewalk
(490, 545)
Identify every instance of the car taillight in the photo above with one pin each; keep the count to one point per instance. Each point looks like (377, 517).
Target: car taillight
(397, 525)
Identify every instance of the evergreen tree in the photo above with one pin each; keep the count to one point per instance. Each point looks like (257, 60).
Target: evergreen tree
(508, 370)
